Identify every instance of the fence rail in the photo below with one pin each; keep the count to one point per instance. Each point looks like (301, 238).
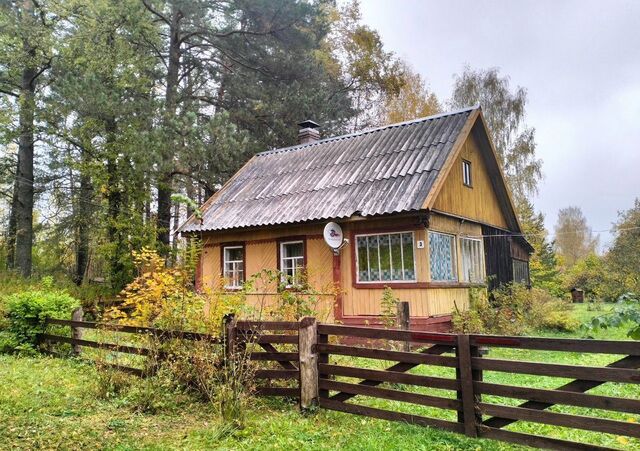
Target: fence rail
(298, 360)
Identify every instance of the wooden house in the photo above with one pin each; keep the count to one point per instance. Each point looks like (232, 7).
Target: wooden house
(423, 203)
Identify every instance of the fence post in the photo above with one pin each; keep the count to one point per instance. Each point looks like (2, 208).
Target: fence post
(76, 332)
(466, 394)
(308, 363)
(403, 322)
(229, 335)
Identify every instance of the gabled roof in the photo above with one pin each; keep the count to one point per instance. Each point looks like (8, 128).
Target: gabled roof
(386, 170)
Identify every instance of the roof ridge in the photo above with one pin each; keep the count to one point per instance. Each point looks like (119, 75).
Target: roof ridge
(369, 130)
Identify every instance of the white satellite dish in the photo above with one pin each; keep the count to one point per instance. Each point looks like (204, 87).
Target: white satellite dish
(333, 235)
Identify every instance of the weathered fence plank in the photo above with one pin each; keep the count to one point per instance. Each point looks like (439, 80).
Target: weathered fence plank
(466, 387)
(562, 419)
(552, 397)
(386, 334)
(393, 395)
(558, 344)
(389, 376)
(384, 354)
(76, 332)
(308, 337)
(601, 374)
(536, 441)
(389, 415)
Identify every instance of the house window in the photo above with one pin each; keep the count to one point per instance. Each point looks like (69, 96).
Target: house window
(292, 262)
(520, 271)
(472, 260)
(386, 257)
(233, 266)
(466, 173)
(442, 257)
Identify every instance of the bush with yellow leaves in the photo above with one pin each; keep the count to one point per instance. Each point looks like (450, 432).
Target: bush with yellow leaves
(164, 297)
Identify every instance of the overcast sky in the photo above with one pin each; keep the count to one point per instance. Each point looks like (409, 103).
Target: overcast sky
(578, 60)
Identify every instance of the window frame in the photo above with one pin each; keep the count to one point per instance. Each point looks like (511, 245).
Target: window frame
(527, 281)
(454, 260)
(467, 164)
(483, 272)
(234, 245)
(384, 282)
(291, 240)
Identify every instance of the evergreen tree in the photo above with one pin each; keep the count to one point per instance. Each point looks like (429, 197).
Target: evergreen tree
(26, 32)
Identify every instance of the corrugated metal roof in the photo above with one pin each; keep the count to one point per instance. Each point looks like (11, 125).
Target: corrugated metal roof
(385, 170)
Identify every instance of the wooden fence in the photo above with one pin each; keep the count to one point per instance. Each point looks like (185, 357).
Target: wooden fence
(235, 336)
(320, 370)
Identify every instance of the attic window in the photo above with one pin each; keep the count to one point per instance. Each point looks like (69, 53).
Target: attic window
(466, 173)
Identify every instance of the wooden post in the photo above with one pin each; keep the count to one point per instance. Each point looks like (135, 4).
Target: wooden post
(76, 332)
(307, 340)
(403, 322)
(466, 393)
(229, 334)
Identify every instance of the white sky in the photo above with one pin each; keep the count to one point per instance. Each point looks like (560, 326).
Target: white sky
(578, 60)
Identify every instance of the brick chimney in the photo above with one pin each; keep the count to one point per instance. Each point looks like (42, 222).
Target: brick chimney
(308, 132)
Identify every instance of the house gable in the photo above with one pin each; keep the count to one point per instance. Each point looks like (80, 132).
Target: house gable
(487, 199)
(479, 201)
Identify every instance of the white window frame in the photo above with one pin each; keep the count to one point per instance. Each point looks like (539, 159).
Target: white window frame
(234, 264)
(454, 258)
(295, 270)
(466, 173)
(357, 259)
(481, 255)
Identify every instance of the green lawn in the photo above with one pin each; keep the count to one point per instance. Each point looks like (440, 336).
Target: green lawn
(50, 403)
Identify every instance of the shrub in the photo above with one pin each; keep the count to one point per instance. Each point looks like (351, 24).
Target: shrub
(25, 314)
(164, 297)
(560, 321)
(471, 320)
(389, 308)
(625, 311)
(112, 382)
(512, 310)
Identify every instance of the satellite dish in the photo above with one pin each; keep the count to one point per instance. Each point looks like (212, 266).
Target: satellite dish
(333, 235)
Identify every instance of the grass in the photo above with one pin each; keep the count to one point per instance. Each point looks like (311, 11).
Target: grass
(49, 403)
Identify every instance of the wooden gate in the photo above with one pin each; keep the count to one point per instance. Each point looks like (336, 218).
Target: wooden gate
(279, 372)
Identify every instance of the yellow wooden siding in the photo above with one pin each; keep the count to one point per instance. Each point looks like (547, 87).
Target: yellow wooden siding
(261, 253)
(478, 202)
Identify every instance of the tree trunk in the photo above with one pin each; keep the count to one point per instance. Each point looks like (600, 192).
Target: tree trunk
(24, 175)
(83, 215)
(114, 204)
(166, 165)
(11, 229)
